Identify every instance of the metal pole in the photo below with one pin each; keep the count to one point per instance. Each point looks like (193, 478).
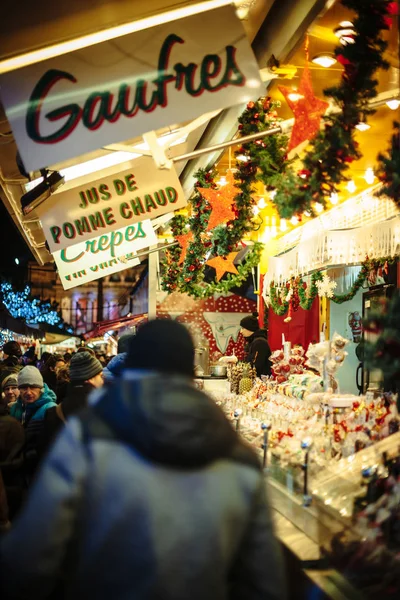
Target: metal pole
(242, 140)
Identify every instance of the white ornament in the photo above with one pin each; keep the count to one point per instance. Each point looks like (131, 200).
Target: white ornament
(326, 287)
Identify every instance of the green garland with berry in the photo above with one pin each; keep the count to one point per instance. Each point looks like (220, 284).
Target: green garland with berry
(389, 168)
(306, 295)
(334, 148)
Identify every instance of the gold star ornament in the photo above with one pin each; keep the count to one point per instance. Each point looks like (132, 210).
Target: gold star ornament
(223, 264)
(221, 202)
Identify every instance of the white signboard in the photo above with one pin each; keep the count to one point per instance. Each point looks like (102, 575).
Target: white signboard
(71, 277)
(110, 203)
(129, 85)
(106, 247)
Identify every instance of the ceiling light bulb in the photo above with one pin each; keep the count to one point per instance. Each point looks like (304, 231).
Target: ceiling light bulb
(325, 60)
(272, 194)
(334, 198)
(261, 203)
(393, 104)
(294, 220)
(319, 207)
(362, 126)
(283, 225)
(369, 176)
(351, 186)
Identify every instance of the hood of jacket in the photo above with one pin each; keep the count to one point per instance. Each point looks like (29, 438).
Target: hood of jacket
(167, 420)
(34, 410)
(115, 366)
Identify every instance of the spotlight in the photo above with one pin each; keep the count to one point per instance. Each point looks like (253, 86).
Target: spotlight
(326, 60)
(42, 191)
(345, 32)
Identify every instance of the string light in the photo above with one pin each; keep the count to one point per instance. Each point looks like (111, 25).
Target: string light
(319, 207)
(222, 181)
(334, 198)
(21, 305)
(369, 176)
(261, 203)
(362, 126)
(351, 186)
(272, 194)
(294, 220)
(283, 225)
(256, 210)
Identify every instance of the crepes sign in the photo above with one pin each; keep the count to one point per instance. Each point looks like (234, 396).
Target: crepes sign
(110, 203)
(121, 88)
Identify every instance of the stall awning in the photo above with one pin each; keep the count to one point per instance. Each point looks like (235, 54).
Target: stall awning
(114, 324)
(17, 326)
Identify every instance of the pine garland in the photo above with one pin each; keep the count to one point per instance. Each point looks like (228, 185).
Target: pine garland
(280, 305)
(334, 148)
(389, 168)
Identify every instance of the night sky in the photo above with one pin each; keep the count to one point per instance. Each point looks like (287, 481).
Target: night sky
(13, 246)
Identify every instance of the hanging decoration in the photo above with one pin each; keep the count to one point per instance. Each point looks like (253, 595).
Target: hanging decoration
(389, 168)
(221, 201)
(306, 107)
(200, 245)
(326, 287)
(223, 264)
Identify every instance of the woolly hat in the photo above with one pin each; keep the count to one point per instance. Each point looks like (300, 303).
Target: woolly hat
(84, 366)
(30, 376)
(162, 345)
(10, 381)
(250, 323)
(124, 341)
(12, 349)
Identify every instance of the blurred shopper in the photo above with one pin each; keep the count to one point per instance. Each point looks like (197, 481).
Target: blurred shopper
(12, 357)
(116, 365)
(67, 357)
(12, 440)
(169, 500)
(4, 520)
(30, 409)
(10, 391)
(30, 357)
(62, 382)
(49, 370)
(86, 375)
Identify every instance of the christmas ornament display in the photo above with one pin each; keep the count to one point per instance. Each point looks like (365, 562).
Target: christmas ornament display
(283, 366)
(221, 201)
(223, 264)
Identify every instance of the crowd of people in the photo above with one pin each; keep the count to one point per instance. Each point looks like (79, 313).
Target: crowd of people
(126, 481)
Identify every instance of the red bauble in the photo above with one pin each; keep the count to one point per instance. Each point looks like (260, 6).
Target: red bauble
(256, 115)
(250, 105)
(192, 268)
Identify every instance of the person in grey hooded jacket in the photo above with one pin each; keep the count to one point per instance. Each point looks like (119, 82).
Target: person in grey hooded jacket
(151, 495)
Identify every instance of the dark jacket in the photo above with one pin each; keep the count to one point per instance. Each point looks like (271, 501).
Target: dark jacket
(12, 440)
(74, 402)
(8, 366)
(171, 504)
(32, 418)
(258, 352)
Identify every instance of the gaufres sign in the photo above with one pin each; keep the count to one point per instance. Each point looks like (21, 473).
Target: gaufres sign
(122, 88)
(110, 203)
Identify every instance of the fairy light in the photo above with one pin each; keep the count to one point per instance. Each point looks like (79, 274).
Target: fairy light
(369, 176)
(319, 207)
(256, 210)
(272, 194)
(261, 203)
(294, 220)
(283, 225)
(334, 198)
(351, 186)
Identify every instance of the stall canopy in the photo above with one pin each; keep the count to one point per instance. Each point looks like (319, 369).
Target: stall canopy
(113, 325)
(17, 326)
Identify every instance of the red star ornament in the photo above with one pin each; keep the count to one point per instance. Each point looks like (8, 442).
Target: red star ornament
(221, 202)
(307, 111)
(223, 264)
(184, 240)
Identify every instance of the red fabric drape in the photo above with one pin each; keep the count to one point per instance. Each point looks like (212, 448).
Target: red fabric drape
(303, 329)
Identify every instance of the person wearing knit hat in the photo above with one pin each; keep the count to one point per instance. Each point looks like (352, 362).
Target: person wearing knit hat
(12, 359)
(10, 389)
(257, 348)
(35, 399)
(154, 460)
(86, 375)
